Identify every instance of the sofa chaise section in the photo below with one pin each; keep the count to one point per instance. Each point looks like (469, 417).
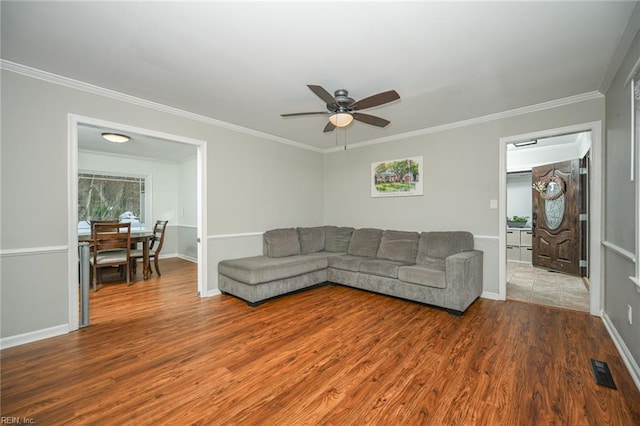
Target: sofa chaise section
(292, 260)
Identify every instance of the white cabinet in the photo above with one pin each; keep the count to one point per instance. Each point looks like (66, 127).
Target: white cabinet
(513, 237)
(519, 244)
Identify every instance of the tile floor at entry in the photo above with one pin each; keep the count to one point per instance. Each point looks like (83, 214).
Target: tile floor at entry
(537, 285)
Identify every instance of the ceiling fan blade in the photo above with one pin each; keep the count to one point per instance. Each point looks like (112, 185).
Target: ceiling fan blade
(375, 100)
(322, 94)
(370, 119)
(329, 127)
(294, 114)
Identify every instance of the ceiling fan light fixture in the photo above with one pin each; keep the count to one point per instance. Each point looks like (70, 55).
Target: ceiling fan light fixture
(116, 138)
(341, 119)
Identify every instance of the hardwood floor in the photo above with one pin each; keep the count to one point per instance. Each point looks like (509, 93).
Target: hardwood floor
(157, 354)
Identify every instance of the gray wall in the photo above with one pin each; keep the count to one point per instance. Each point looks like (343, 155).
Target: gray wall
(620, 209)
(519, 195)
(187, 217)
(253, 184)
(186, 245)
(461, 175)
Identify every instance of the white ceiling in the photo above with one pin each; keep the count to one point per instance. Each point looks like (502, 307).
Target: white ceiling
(140, 146)
(245, 63)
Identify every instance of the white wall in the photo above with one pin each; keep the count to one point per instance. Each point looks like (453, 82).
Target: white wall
(519, 195)
(161, 176)
(187, 200)
(187, 215)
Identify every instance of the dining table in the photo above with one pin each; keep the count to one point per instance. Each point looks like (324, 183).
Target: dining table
(140, 236)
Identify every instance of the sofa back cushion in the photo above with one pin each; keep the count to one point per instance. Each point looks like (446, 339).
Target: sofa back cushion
(311, 239)
(435, 247)
(336, 239)
(399, 245)
(280, 242)
(365, 242)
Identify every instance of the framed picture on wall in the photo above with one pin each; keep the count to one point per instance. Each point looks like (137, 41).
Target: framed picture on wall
(397, 178)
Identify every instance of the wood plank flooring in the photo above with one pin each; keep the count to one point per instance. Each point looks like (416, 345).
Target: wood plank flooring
(157, 354)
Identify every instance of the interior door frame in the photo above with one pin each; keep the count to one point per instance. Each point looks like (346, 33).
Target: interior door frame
(74, 121)
(596, 216)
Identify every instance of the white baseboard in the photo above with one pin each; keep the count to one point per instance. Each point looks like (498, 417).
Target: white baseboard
(210, 293)
(491, 295)
(33, 336)
(187, 258)
(170, 255)
(627, 358)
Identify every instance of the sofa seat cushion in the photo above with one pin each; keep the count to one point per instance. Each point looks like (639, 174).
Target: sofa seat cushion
(430, 276)
(281, 243)
(261, 269)
(346, 262)
(381, 267)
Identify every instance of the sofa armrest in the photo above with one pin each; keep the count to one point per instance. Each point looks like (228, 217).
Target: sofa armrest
(463, 273)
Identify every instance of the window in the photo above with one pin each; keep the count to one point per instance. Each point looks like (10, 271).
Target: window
(110, 197)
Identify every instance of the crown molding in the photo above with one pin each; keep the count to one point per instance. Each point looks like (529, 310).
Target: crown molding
(478, 120)
(123, 97)
(112, 94)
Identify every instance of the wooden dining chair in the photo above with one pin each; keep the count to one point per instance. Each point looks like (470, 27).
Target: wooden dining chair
(94, 222)
(111, 247)
(155, 246)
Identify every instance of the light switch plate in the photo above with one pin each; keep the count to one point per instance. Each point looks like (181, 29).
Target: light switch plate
(493, 204)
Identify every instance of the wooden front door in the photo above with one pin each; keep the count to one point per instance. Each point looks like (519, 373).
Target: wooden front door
(556, 217)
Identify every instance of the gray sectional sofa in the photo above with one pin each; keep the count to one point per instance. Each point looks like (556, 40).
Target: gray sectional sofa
(436, 268)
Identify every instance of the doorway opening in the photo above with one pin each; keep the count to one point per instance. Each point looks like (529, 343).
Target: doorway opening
(160, 159)
(550, 218)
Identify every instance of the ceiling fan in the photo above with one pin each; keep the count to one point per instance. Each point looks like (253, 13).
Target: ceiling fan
(341, 109)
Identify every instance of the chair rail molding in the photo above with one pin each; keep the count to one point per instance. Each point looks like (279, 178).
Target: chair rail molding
(28, 251)
(619, 250)
(240, 235)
